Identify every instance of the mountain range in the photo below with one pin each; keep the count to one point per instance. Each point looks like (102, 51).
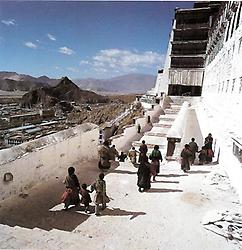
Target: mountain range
(131, 83)
(65, 90)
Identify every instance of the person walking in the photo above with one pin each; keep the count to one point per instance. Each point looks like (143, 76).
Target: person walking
(186, 154)
(133, 155)
(143, 149)
(194, 149)
(86, 198)
(155, 158)
(143, 174)
(71, 195)
(100, 197)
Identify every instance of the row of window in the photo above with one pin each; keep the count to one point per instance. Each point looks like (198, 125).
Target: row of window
(225, 86)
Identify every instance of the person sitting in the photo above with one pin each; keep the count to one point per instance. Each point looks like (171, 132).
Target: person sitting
(85, 197)
(122, 157)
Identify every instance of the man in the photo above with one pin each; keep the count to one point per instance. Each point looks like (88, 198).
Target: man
(143, 149)
(194, 150)
(133, 155)
(186, 155)
(104, 156)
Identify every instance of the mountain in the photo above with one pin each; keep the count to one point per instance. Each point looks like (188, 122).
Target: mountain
(11, 81)
(131, 83)
(65, 90)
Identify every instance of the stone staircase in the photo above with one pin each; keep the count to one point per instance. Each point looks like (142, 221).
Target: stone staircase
(158, 134)
(36, 238)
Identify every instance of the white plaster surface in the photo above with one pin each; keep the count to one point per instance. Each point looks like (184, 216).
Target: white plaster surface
(50, 155)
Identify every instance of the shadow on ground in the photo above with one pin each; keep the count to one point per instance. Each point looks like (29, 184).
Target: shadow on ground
(116, 171)
(176, 182)
(172, 175)
(163, 190)
(120, 212)
(198, 172)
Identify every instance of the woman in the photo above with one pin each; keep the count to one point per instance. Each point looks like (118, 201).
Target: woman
(143, 175)
(71, 195)
(186, 154)
(155, 158)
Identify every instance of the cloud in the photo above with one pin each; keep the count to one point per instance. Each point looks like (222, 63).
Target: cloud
(72, 69)
(83, 62)
(30, 45)
(9, 22)
(51, 37)
(126, 60)
(66, 51)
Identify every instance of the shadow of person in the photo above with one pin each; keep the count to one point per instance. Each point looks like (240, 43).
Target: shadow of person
(120, 212)
(163, 190)
(172, 175)
(198, 172)
(166, 181)
(117, 171)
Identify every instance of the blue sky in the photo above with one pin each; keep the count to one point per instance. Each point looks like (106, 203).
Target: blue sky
(84, 39)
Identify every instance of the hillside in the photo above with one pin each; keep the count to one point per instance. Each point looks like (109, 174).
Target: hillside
(65, 90)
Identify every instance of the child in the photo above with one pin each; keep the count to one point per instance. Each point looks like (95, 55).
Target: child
(86, 199)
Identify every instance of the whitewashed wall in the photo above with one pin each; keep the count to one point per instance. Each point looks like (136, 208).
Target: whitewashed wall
(50, 156)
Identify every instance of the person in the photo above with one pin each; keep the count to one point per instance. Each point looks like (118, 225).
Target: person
(186, 154)
(208, 145)
(133, 155)
(113, 153)
(143, 149)
(202, 155)
(194, 150)
(122, 157)
(100, 197)
(104, 156)
(143, 174)
(138, 128)
(155, 158)
(208, 141)
(71, 195)
(85, 197)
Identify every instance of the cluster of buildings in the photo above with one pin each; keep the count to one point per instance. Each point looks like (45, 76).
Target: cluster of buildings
(19, 125)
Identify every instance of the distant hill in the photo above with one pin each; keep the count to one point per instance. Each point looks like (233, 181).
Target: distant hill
(12, 81)
(131, 83)
(65, 90)
(125, 84)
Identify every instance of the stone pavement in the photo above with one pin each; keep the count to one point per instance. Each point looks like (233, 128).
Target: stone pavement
(167, 217)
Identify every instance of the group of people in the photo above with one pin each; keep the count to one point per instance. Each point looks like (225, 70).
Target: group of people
(73, 189)
(108, 154)
(147, 170)
(188, 154)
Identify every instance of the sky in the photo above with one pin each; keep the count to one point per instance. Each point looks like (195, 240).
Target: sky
(86, 38)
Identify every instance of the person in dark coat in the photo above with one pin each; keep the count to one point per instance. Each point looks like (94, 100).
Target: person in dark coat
(202, 156)
(71, 195)
(186, 154)
(143, 149)
(155, 158)
(208, 145)
(194, 150)
(144, 175)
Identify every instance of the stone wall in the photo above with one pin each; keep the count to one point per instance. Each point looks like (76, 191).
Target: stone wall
(33, 162)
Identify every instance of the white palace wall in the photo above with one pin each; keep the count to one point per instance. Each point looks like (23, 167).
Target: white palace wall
(34, 162)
